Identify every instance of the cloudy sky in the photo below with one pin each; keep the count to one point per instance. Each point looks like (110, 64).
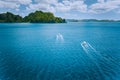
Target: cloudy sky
(70, 9)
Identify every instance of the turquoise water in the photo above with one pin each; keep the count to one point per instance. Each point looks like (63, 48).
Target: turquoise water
(71, 51)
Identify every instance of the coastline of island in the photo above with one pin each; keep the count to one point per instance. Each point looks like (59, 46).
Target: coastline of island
(91, 20)
(34, 17)
(43, 17)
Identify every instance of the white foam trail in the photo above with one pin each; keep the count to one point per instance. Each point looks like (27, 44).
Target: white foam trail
(59, 37)
(85, 50)
(95, 56)
(92, 48)
(87, 47)
(91, 53)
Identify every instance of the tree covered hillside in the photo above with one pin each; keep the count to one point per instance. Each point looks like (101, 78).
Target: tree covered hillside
(10, 17)
(36, 17)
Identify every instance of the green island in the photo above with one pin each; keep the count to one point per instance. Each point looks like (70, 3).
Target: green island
(35, 17)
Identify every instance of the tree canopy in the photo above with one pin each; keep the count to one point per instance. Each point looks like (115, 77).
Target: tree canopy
(10, 17)
(35, 17)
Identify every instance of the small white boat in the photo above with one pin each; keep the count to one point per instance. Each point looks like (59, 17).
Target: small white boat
(84, 44)
(87, 47)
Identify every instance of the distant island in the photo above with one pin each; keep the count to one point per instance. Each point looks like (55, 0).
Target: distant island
(91, 20)
(42, 17)
(35, 17)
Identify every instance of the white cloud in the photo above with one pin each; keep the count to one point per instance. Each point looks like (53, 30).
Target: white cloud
(39, 6)
(25, 2)
(67, 5)
(13, 4)
(10, 5)
(101, 1)
(44, 5)
(55, 6)
(62, 6)
(47, 1)
(104, 6)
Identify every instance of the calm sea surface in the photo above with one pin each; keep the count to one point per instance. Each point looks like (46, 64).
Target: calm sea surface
(70, 51)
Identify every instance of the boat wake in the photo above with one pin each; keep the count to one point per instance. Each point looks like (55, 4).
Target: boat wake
(59, 38)
(99, 60)
(87, 47)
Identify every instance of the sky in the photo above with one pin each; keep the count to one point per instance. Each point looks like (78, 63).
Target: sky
(68, 9)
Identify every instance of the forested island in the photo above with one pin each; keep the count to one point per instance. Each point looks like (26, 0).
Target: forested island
(35, 17)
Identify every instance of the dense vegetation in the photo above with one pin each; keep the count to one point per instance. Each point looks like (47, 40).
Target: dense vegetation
(36, 17)
(9, 17)
(42, 17)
